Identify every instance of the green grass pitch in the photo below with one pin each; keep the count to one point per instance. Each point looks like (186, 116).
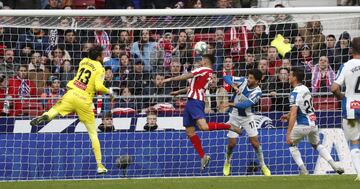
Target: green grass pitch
(254, 182)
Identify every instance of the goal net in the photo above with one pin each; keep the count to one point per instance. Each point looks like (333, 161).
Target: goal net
(141, 132)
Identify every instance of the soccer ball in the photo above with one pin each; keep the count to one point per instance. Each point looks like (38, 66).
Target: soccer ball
(201, 48)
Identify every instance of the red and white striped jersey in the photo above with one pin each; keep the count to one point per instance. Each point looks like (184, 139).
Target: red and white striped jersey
(199, 83)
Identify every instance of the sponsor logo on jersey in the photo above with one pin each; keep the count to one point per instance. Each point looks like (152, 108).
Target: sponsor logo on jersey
(355, 104)
(80, 85)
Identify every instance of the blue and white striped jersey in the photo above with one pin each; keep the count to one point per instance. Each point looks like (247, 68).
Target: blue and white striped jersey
(246, 99)
(301, 97)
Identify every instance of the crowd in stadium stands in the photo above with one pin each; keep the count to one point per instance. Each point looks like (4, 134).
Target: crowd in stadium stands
(38, 62)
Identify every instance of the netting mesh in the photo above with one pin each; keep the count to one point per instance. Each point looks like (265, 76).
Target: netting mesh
(41, 54)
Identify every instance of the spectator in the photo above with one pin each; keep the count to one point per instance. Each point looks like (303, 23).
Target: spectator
(222, 4)
(197, 4)
(7, 67)
(67, 73)
(38, 73)
(145, 50)
(125, 41)
(71, 44)
(124, 70)
(259, 37)
(126, 100)
(342, 50)
(283, 25)
(286, 63)
(116, 4)
(53, 4)
(274, 60)
(107, 124)
(249, 63)
(157, 4)
(85, 49)
(183, 50)
(313, 36)
(236, 41)
(219, 49)
(279, 90)
(4, 97)
(295, 52)
(26, 51)
(266, 80)
(305, 62)
(138, 81)
(7, 38)
(167, 51)
(24, 4)
(21, 87)
(52, 93)
(254, 20)
(175, 70)
(323, 76)
(129, 20)
(35, 37)
(157, 87)
(57, 57)
(245, 3)
(328, 50)
(229, 70)
(57, 35)
(151, 119)
(114, 61)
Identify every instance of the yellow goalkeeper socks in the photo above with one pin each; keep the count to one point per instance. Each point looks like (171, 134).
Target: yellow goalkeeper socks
(94, 141)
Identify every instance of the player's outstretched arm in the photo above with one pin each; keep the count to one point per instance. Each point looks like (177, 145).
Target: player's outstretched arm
(292, 119)
(179, 78)
(181, 91)
(336, 90)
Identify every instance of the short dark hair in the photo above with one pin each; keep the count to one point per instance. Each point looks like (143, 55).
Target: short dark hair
(331, 35)
(107, 115)
(209, 57)
(356, 45)
(299, 74)
(256, 73)
(95, 52)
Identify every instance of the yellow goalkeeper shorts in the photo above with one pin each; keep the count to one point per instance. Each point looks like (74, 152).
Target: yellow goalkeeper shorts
(76, 101)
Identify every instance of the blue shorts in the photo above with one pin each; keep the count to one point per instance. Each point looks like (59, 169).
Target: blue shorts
(194, 109)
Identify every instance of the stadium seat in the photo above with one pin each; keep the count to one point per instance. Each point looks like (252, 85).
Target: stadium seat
(326, 103)
(265, 104)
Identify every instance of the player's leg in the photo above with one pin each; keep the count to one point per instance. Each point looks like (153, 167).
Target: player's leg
(252, 132)
(63, 107)
(297, 135)
(86, 116)
(352, 133)
(189, 124)
(314, 140)
(232, 139)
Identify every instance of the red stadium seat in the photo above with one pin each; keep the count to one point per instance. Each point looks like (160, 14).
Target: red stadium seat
(265, 104)
(326, 103)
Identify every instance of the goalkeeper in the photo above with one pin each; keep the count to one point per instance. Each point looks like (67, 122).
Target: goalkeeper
(79, 98)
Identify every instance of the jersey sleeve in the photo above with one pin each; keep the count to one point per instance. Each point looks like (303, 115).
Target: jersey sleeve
(99, 81)
(294, 99)
(200, 71)
(231, 80)
(340, 76)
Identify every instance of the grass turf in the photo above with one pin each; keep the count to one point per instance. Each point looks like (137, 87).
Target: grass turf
(255, 182)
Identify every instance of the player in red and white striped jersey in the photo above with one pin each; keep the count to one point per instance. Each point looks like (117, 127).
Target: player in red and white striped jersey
(194, 113)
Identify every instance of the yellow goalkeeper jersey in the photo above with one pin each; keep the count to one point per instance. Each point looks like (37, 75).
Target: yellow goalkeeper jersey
(89, 77)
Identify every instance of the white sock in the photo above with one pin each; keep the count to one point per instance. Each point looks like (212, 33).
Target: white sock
(326, 155)
(295, 153)
(260, 156)
(355, 156)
